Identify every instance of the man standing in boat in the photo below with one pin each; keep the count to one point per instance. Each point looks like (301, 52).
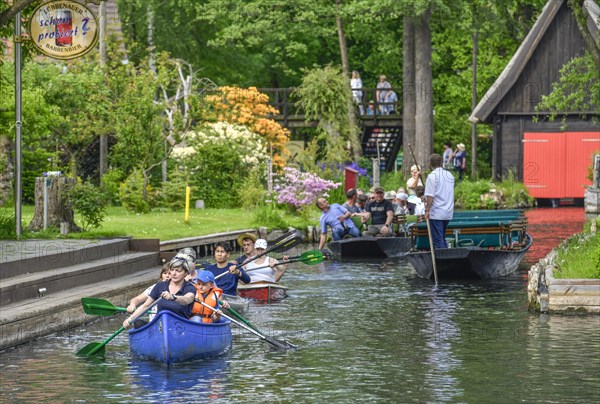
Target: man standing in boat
(439, 204)
(338, 218)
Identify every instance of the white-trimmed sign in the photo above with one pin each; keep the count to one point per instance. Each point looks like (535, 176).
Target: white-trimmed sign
(63, 29)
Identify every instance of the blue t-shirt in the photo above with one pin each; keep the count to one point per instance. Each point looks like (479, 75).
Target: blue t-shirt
(184, 311)
(330, 218)
(228, 283)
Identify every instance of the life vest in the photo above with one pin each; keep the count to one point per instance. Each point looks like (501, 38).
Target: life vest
(211, 299)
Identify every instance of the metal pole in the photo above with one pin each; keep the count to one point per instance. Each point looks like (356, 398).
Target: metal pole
(18, 118)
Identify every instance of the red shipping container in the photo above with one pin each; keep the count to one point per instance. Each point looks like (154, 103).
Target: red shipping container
(555, 164)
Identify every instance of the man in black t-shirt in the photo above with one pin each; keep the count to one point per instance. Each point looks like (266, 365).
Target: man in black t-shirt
(381, 211)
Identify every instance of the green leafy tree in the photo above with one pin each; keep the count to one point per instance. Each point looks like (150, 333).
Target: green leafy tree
(324, 96)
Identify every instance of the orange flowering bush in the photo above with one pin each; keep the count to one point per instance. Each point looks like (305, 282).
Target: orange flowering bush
(249, 107)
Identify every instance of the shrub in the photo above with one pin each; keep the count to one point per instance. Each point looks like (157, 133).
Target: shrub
(269, 216)
(131, 193)
(7, 225)
(299, 189)
(90, 203)
(252, 192)
(172, 193)
(110, 183)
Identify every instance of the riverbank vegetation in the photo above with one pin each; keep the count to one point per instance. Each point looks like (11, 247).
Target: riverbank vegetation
(579, 256)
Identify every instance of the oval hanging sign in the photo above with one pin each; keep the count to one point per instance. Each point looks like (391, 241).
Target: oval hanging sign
(63, 29)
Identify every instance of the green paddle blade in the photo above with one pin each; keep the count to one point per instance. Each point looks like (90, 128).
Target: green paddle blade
(99, 307)
(312, 257)
(95, 348)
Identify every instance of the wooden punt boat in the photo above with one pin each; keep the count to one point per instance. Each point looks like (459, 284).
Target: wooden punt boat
(469, 262)
(263, 291)
(370, 247)
(170, 339)
(483, 244)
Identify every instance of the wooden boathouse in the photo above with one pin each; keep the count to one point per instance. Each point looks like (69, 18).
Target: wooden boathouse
(551, 157)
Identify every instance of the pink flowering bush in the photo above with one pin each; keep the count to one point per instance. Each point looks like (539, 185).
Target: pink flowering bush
(299, 189)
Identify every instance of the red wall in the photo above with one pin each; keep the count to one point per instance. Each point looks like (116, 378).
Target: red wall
(555, 164)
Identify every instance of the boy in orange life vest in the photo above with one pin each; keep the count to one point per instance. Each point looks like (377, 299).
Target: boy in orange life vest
(206, 292)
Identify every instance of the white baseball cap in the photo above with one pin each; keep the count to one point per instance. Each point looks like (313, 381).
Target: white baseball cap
(260, 243)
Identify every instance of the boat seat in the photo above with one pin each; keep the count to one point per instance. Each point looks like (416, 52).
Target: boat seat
(501, 235)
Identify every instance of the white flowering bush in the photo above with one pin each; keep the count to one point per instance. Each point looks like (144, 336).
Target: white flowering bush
(217, 159)
(250, 147)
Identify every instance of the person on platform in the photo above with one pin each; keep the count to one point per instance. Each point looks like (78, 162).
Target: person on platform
(228, 283)
(208, 293)
(338, 218)
(177, 294)
(381, 213)
(357, 94)
(272, 273)
(246, 241)
(439, 205)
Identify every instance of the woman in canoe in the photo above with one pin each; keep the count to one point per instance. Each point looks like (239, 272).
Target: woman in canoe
(165, 274)
(272, 273)
(177, 293)
(228, 283)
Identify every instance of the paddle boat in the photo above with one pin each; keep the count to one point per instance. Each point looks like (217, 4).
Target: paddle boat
(169, 339)
(483, 244)
(263, 291)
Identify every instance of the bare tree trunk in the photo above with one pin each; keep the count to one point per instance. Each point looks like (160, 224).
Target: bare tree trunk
(59, 207)
(408, 92)
(474, 169)
(151, 57)
(424, 80)
(354, 134)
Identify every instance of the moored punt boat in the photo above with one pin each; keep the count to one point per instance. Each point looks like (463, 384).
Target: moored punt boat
(370, 247)
(264, 291)
(169, 338)
(469, 262)
(484, 244)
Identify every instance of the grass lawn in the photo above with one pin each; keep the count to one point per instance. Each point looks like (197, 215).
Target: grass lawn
(579, 257)
(162, 224)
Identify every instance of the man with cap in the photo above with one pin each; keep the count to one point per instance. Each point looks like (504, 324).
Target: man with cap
(338, 218)
(246, 241)
(208, 293)
(439, 204)
(381, 213)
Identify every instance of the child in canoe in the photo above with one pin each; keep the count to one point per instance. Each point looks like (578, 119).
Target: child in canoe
(208, 293)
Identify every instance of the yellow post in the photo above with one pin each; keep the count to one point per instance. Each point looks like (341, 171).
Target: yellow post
(187, 204)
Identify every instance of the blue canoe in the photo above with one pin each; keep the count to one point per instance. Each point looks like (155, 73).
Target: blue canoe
(171, 339)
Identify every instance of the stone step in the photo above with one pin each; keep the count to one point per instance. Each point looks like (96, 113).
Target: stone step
(28, 286)
(26, 257)
(31, 318)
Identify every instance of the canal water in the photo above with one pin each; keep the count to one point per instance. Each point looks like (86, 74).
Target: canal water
(368, 331)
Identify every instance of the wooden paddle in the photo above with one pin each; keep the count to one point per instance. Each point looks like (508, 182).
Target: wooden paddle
(97, 348)
(309, 258)
(100, 307)
(435, 277)
(282, 344)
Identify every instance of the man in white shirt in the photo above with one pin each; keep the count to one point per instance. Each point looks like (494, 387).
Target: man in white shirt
(439, 205)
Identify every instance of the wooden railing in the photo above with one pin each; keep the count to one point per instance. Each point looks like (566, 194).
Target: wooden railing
(371, 114)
